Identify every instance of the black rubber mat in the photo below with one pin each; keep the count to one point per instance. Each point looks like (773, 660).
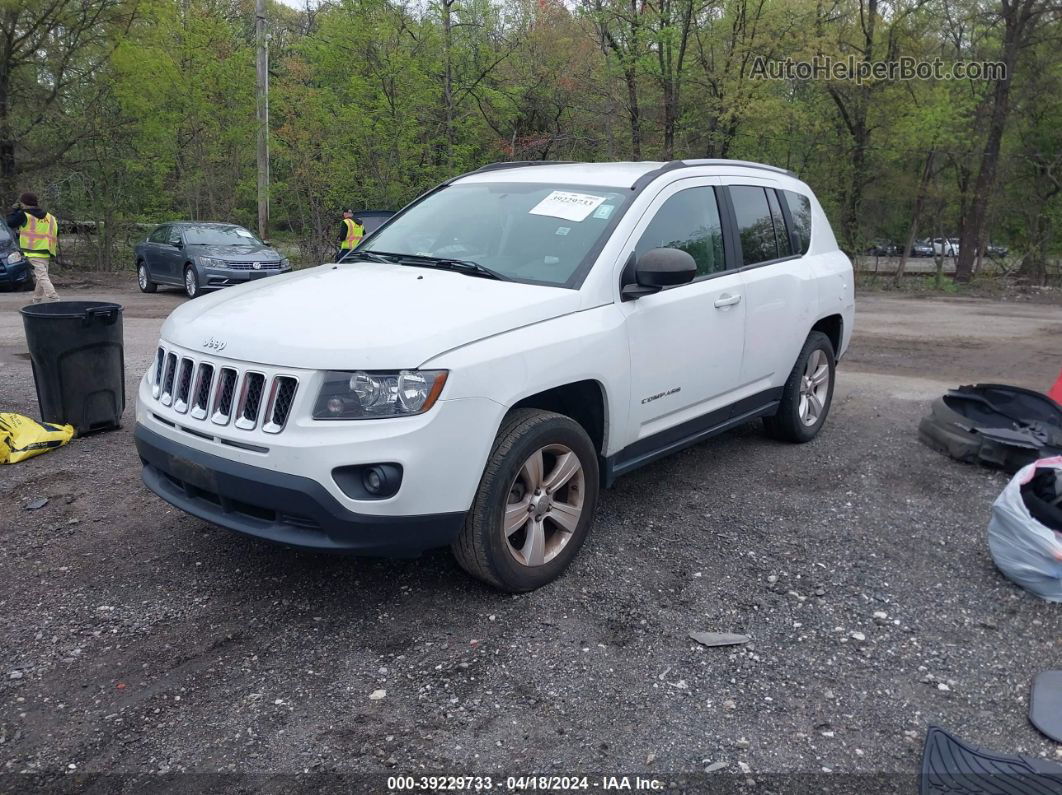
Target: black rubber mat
(950, 767)
(1045, 704)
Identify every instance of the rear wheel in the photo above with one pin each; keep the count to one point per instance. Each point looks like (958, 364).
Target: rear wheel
(535, 502)
(807, 394)
(144, 279)
(191, 282)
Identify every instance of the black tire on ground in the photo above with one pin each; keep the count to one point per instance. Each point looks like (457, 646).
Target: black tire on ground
(143, 280)
(786, 425)
(191, 285)
(481, 547)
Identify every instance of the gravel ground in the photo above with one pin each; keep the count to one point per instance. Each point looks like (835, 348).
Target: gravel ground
(136, 639)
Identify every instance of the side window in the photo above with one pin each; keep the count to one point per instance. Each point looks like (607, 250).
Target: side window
(780, 232)
(689, 221)
(174, 236)
(161, 234)
(800, 210)
(755, 224)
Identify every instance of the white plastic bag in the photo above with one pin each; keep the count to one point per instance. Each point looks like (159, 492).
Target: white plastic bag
(1026, 551)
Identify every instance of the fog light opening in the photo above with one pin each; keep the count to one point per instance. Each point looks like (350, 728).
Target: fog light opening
(373, 480)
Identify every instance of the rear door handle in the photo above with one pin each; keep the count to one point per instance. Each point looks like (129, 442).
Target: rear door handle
(727, 300)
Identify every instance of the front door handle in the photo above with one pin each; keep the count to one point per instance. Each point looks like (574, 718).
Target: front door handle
(727, 300)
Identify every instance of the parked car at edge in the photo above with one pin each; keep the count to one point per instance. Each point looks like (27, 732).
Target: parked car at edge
(922, 248)
(516, 339)
(14, 268)
(996, 252)
(204, 256)
(948, 245)
(883, 248)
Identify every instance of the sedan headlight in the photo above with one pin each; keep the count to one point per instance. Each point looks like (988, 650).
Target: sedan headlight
(364, 395)
(212, 262)
(284, 264)
(13, 257)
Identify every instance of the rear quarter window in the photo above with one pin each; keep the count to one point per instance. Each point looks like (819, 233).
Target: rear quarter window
(800, 212)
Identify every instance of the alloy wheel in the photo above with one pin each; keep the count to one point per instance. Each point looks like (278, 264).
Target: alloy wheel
(190, 285)
(544, 506)
(141, 276)
(814, 387)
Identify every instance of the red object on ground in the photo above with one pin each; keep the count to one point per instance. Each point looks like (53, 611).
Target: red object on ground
(1056, 391)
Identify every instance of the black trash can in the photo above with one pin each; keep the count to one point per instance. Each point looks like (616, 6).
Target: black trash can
(78, 362)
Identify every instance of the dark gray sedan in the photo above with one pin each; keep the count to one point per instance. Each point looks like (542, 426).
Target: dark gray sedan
(200, 256)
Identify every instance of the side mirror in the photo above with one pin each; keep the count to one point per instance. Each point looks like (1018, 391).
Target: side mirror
(177, 244)
(655, 270)
(268, 243)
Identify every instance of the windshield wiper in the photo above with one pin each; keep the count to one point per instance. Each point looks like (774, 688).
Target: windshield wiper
(369, 255)
(448, 263)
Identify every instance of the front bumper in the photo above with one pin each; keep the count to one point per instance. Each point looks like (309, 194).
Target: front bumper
(14, 275)
(227, 277)
(287, 509)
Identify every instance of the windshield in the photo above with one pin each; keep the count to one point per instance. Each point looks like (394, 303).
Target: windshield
(205, 235)
(525, 232)
(5, 233)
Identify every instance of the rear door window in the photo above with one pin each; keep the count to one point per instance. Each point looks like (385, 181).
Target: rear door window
(781, 234)
(800, 213)
(755, 224)
(688, 221)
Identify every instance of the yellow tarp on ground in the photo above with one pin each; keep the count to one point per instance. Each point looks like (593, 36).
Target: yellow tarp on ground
(22, 438)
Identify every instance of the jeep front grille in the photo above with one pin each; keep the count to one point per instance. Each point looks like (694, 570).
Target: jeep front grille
(156, 385)
(202, 391)
(222, 394)
(250, 401)
(281, 396)
(167, 379)
(184, 386)
(223, 397)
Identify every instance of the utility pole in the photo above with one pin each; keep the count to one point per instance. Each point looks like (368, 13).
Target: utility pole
(263, 117)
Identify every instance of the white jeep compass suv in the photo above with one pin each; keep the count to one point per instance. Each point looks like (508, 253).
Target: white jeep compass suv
(509, 343)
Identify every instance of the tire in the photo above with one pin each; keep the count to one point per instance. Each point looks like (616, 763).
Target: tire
(191, 282)
(522, 560)
(797, 421)
(143, 279)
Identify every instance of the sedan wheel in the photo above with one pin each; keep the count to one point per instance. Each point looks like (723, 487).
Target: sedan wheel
(142, 278)
(191, 282)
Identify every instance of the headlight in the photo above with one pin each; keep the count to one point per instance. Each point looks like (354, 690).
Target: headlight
(363, 395)
(284, 264)
(13, 257)
(212, 262)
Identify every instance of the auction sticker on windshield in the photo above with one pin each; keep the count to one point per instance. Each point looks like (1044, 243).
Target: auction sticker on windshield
(566, 205)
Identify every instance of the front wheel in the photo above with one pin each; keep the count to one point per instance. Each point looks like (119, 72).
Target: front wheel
(807, 394)
(191, 282)
(144, 279)
(534, 505)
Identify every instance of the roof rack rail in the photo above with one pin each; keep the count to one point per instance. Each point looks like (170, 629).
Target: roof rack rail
(671, 165)
(519, 164)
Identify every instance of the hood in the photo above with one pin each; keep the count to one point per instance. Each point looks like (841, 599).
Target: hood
(249, 251)
(362, 315)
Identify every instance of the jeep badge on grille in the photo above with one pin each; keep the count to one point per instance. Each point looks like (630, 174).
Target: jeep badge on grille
(215, 345)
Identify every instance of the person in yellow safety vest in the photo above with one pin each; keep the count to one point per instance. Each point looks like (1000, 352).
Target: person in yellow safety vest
(38, 236)
(351, 233)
